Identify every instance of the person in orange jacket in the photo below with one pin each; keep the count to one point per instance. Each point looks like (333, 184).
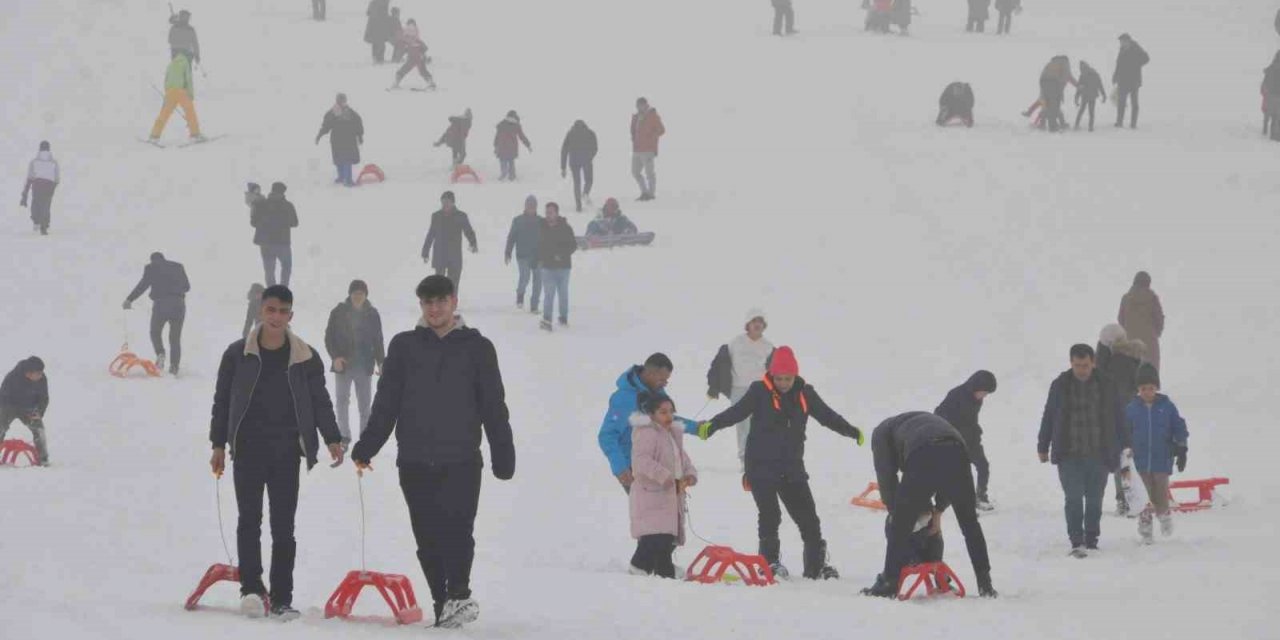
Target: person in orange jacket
(646, 129)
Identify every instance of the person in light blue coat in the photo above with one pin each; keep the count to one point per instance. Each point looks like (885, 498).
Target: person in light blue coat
(1159, 438)
(647, 380)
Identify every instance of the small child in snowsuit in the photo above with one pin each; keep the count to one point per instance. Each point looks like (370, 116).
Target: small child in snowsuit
(455, 137)
(1088, 91)
(663, 472)
(1159, 440)
(24, 396)
(255, 308)
(956, 102)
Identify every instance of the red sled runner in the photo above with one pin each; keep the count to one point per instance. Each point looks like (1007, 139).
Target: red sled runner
(937, 578)
(1207, 493)
(711, 565)
(11, 450)
(371, 174)
(395, 589)
(615, 240)
(216, 573)
(464, 173)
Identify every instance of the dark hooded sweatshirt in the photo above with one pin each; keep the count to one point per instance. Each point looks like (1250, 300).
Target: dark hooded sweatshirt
(961, 409)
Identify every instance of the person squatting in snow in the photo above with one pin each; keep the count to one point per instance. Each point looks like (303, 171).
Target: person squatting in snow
(956, 103)
(24, 396)
(611, 221)
(960, 409)
(43, 177)
(169, 285)
(346, 133)
(438, 421)
(739, 363)
(663, 472)
(455, 136)
(507, 137)
(1159, 439)
(779, 405)
(647, 380)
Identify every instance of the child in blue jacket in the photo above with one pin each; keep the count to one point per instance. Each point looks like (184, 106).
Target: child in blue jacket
(1159, 438)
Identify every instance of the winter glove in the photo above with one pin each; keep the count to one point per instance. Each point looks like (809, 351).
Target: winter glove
(858, 436)
(704, 430)
(23, 202)
(1180, 457)
(127, 305)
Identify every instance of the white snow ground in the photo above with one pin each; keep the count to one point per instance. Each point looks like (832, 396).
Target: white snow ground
(805, 176)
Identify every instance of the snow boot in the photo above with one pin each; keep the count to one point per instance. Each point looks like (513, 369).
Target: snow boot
(284, 613)
(985, 589)
(769, 550)
(1144, 527)
(160, 360)
(815, 562)
(881, 589)
(1166, 524)
(459, 612)
(1078, 551)
(545, 325)
(253, 605)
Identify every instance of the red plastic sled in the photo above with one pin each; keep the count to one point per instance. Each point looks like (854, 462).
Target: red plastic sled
(1206, 493)
(710, 566)
(11, 450)
(216, 573)
(863, 500)
(127, 360)
(371, 173)
(937, 578)
(464, 173)
(395, 589)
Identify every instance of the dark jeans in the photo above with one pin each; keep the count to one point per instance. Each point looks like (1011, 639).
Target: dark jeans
(274, 466)
(1089, 105)
(452, 271)
(798, 500)
(529, 270)
(1123, 96)
(272, 253)
(784, 17)
(317, 9)
(583, 175)
(1005, 22)
(940, 469)
(380, 51)
(173, 312)
(9, 414)
(653, 554)
(442, 501)
(1084, 483)
(42, 203)
(459, 154)
(978, 455)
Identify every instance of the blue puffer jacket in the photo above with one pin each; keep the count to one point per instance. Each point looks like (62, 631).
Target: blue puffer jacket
(615, 431)
(1156, 430)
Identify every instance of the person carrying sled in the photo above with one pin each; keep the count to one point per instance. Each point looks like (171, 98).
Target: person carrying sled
(507, 137)
(1088, 90)
(663, 472)
(579, 153)
(43, 176)
(638, 381)
(182, 36)
(24, 396)
(346, 133)
(956, 102)
(779, 406)
(179, 91)
(1159, 437)
(455, 136)
(611, 221)
(168, 283)
(416, 56)
(960, 409)
(738, 364)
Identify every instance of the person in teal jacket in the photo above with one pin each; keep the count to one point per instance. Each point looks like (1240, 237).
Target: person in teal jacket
(615, 431)
(1159, 438)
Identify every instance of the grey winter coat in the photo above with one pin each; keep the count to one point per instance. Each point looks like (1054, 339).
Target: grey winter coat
(346, 134)
(444, 238)
(893, 442)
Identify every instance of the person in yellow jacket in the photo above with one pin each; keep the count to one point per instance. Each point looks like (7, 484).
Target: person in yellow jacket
(179, 91)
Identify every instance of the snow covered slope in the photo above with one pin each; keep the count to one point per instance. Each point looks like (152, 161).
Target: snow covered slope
(805, 176)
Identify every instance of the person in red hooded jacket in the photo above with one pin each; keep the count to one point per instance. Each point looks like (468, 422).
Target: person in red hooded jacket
(646, 129)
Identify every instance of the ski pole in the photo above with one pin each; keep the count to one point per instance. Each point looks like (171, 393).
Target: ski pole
(221, 529)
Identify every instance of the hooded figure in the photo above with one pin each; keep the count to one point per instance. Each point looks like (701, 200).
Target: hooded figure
(43, 176)
(955, 102)
(961, 408)
(1142, 316)
(24, 396)
(506, 144)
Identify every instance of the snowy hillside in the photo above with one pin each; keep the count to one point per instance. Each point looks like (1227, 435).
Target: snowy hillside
(804, 176)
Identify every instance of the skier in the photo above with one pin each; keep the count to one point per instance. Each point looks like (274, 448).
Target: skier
(979, 11)
(353, 339)
(780, 404)
(646, 129)
(956, 101)
(1006, 8)
(784, 17)
(182, 36)
(664, 473)
(1088, 90)
(273, 219)
(525, 239)
(377, 30)
(168, 283)
(1080, 425)
(416, 55)
(269, 405)
(1271, 98)
(611, 221)
(448, 225)
(455, 137)
(346, 134)
(318, 10)
(1128, 78)
(737, 365)
(397, 36)
(254, 309)
(24, 396)
(1159, 435)
(648, 380)
(437, 420)
(1142, 316)
(179, 91)
(506, 144)
(555, 250)
(960, 409)
(579, 152)
(930, 455)
(43, 177)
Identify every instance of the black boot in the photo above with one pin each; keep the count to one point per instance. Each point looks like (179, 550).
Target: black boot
(881, 589)
(984, 585)
(769, 549)
(815, 562)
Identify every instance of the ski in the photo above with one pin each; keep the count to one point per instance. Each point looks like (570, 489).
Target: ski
(154, 143)
(195, 141)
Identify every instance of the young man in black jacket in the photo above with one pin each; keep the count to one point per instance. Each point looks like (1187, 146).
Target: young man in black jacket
(779, 407)
(579, 153)
(168, 283)
(440, 385)
(354, 342)
(524, 239)
(448, 225)
(930, 455)
(268, 406)
(961, 408)
(24, 396)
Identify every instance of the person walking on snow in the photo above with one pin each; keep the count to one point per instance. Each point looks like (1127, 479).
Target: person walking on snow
(1142, 316)
(1271, 98)
(377, 30)
(1119, 358)
(649, 381)
(268, 407)
(438, 420)
(182, 36)
(1006, 8)
(1127, 78)
(455, 137)
(506, 144)
(1159, 436)
(318, 10)
(24, 396)
(253, 310)
(737, 365)
(646, 129)
(448, 225)
(1054, 79)
(780, 405)
(179, 91)
(416, 56)
(784, 18)
(353, 339)
(664, 473)
(579, 152)
(556, 246)
(525, 238)
(168, 283)
(930, 455)
(397, 36)
(1088, 90)
(979, 11)
(960, 409)
(346, 133)
(273, 220)
(43, 176)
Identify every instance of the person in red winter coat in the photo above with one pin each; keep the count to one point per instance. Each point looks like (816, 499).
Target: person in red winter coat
(646, 129)
(506, 144)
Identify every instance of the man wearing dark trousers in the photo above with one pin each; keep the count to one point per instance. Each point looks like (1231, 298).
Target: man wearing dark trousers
(269, 404)
(579, 153)
(440, 386)
(960, 408)
(168, 283)
(930, 455)
(353, 339)
(1128, 79)
(448, 225)
(273, 219)
(24, 396)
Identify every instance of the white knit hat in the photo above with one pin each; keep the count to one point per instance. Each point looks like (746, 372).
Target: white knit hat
(752, 315)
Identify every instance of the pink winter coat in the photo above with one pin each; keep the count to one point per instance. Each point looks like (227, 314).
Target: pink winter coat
(657, 459)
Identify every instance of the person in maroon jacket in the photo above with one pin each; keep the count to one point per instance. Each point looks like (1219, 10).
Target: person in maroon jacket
(506, 144)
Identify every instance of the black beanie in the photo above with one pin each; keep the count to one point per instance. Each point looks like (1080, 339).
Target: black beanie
(358, 285)
(31, 365)
(1147, 374)
(983, 380)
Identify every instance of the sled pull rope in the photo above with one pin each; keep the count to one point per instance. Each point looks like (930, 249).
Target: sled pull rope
(689, 520)
(217, 489)
(360, 487)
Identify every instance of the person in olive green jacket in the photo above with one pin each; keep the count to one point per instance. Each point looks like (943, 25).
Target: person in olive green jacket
(179, 91)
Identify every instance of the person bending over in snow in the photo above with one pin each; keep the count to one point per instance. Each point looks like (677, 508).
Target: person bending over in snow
(956, 102)
(960, 408)
(1159, 439)
(24, 396)
(416, 52)
(611, 221)
(930, 456)
(506, 144)
(168, 283)
(738, 364)
(455, 137)
(663, 471)
(779, 406)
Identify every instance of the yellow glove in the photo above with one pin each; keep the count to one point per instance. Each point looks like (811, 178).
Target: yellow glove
(857, 435)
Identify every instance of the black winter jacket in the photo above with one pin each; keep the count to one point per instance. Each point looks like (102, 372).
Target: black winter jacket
(580, 146)
(444, 238)
(1129, 63)
(525, 236)
(20, 394)
(556, 246)
(346, 134)
(961, 409)
(436, 393)
(165, 279)
(237, 377)
(720, 374)
(893, 442)
(361, 346)
(273, 219)
(1089, 86)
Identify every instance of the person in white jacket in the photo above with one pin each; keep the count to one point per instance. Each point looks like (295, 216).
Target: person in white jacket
(737, 364)
(42, 178)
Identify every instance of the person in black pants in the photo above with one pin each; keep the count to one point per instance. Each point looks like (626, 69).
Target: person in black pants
(779, 406)
(168, 283)
(579, 153)
(1088, 89)
(930, 455)
(960, 408)
(437, 420)
(448, 225)
(269, 404)
(1128, 78)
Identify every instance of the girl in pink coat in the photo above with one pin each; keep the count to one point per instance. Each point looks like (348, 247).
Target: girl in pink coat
(662, 472)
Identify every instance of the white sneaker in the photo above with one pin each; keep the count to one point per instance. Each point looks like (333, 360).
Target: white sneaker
(253, 606)
(458, 613)
(636, 571)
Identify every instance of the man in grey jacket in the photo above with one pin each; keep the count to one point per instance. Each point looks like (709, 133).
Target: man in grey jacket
(448, 225)
(524, 238)
(168, 283)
